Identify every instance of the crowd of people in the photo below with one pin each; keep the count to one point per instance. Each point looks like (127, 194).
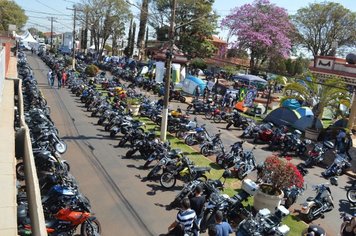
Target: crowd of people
(59, 74)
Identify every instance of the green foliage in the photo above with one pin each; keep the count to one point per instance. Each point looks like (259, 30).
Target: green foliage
(230, 70)
(198, 63)
(194, 25)
(321, 24)
(11, 13)
(318, 93)
(238, 53)
(91, 70)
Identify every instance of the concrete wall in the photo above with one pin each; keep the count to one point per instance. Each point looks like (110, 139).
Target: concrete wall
(2, 70)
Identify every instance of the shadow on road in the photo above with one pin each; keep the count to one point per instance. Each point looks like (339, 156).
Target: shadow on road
(156, 187)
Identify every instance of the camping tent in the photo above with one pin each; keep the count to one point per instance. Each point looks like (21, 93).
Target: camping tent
(306, 122)
(191, 82)
(282, 116)
(305, 111)
(291, 104)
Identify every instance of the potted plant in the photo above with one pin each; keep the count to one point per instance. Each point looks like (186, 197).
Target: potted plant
(133, 104)
(318, 94)
(91, 70)
(276, 175)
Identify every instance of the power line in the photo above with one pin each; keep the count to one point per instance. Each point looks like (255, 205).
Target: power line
(48, 6)
(46, 13)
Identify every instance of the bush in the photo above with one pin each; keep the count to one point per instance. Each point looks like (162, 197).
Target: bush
(91, 70)
(280, 174)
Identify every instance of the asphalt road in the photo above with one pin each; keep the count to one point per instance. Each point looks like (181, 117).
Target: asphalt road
(122, 201)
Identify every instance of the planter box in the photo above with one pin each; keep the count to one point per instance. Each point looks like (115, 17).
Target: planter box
(134, 109)
(263, 200)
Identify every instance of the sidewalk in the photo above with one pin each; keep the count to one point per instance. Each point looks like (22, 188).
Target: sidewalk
(8, 206)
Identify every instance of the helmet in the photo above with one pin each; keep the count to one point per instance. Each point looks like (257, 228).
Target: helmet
(151, 136)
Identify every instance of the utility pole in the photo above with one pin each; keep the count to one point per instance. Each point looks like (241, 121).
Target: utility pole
(51, 32)
(74, 18)
(168, 72)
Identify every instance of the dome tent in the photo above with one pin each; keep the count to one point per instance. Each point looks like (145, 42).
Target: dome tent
(282, 116)
(291, 104)
(305, 111)
(306, 122)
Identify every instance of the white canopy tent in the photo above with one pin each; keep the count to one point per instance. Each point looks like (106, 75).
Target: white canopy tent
(27, 40)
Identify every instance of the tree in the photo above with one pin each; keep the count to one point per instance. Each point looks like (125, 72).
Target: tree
(197, 25)
(236, 52)
(11, 13)
(132, 43)
(104, 16)
(318, 93)
(262, 28)
(128, 50)
(321, 24)
(142, 27)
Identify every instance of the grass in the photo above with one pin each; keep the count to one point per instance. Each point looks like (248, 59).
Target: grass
(232, 186)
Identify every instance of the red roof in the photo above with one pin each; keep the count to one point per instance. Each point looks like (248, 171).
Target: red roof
(216, 39)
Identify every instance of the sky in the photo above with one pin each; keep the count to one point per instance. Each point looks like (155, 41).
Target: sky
(40, 11)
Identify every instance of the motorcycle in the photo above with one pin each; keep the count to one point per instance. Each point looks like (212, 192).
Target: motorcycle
(263, 133)
(238, 121)
(293, 143)
(351, 193)
(290, 195)
(213, 146)
(338, 167)
(176, 95)
(199, 135)
(228, 160)
(66, 221)
(316, 155)
(264, 223)
(315, 207)
(246, 164)
(184, 170)
(198, 106)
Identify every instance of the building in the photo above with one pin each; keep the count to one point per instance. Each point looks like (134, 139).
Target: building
(327, 66)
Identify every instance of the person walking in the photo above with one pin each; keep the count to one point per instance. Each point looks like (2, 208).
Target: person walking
(205, 93)
(53, 77)
(59, 78)
(340, 141)
(64, 78)
(348, 144)
(184, 220)
(197, 203)
(49, 76)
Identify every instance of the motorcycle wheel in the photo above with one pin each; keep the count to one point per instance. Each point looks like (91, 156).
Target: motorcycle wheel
(217, 119)
(205, 150)
(153, 172)
(20, 171)
(220, 160)
(122, 142)
(189, 108)
(189, 140)
(180, 134)
(168, 180)
(130, 153)
(208, 115)
(112, 134)
(90, 228)
(228, 125)
(147, 163)
(351, 195)
(289, 201)
(93, 114)
(107, 127)
(66, 166)
(206, 221)
(61, 147)
(310, 216)
(240, 173)
(309, 163)
(100, 122)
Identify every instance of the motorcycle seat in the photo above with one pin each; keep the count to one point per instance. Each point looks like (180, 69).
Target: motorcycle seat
(310, 199)
(204, 168)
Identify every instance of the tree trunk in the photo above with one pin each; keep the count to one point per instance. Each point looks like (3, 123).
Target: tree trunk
(142, 27)
(133, 38)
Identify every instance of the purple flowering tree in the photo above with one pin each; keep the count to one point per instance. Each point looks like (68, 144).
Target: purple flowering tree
(263, 29)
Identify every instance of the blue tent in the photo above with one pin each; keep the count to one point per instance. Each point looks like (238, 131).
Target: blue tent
(291, 104)
(282, 116)
(304, 111)
(191, 82)
(307, 122)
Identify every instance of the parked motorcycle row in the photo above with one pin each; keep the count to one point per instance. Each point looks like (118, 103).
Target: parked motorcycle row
(66, 209)
(169, 165)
